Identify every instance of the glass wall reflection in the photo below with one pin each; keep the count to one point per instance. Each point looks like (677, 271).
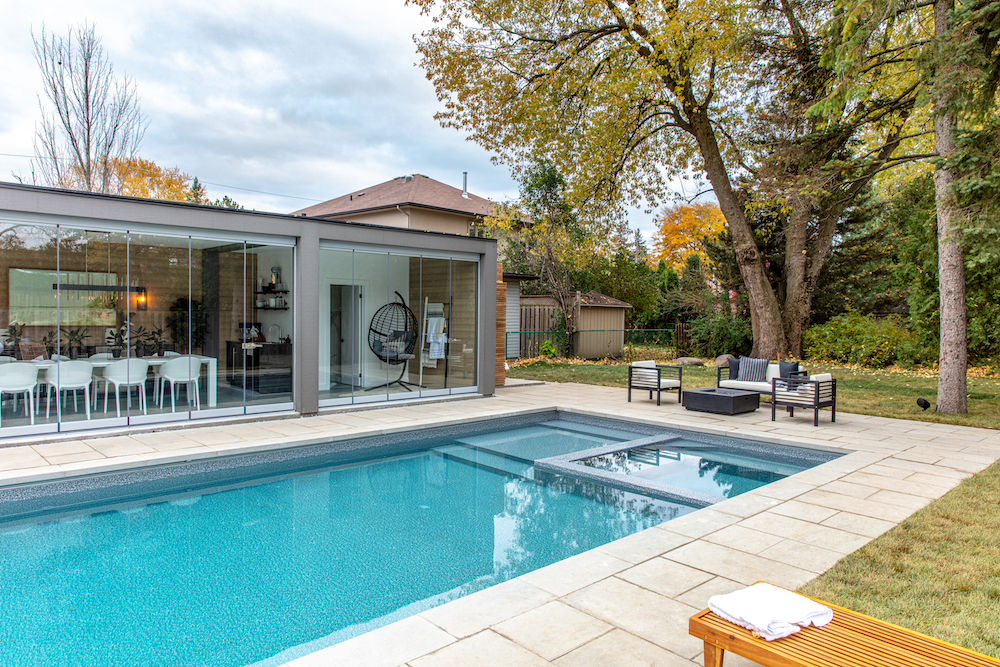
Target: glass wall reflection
(110, 328)
(268, 359)
(29, 308)
(393, 326)
(339, 330)
(435, 309)
(462, 349)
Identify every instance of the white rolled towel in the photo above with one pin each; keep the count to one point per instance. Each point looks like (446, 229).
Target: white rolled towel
(770, 611)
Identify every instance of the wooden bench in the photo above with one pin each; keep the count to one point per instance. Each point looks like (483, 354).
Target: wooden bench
(849, 640)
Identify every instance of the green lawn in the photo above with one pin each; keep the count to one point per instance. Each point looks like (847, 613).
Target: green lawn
(863, 391)
(938, 572)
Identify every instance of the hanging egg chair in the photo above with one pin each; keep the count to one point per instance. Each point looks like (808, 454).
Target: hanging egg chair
(392, 337)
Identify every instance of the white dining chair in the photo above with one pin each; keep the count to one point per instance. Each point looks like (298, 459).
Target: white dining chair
(20, 378)
(157, 380)
(98, 374)
(184, 370)
(69, 376)
(126, 373)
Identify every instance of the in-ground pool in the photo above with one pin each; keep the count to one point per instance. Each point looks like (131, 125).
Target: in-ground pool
(259, 559)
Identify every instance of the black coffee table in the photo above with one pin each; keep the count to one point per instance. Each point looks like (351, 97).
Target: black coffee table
(721, 401)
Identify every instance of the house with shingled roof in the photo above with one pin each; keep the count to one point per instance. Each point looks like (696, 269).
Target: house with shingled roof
(413, 201)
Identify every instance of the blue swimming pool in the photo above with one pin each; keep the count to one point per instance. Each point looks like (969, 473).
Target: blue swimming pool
(260, 559)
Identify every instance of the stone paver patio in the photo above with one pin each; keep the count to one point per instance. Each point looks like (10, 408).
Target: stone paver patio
(626, 603)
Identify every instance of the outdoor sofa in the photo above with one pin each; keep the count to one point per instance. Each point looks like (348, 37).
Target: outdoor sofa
(729, 377)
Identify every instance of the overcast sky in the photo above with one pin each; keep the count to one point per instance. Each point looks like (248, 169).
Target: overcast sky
(303, 101)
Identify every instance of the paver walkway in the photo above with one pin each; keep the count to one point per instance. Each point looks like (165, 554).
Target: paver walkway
(625, 603)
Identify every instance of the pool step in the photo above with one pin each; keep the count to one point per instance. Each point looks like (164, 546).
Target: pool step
(487, 460)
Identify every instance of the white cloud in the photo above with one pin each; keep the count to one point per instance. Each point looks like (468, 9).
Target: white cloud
(311, 100)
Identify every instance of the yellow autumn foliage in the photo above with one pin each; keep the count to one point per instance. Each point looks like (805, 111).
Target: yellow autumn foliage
(680, 230)
(146, 179)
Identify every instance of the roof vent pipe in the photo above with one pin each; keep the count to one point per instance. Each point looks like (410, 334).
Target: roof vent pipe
(465, 184)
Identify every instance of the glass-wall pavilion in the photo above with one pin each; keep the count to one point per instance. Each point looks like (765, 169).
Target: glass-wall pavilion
(118, 311)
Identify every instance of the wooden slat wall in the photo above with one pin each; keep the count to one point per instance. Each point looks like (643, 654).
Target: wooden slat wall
(535, 318)
(501, 328)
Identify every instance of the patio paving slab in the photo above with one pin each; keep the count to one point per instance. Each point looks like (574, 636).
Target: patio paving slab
(622, 649)
(743, 539)
(651, 616)
(855, 523)
(552, 630)
(643, 545)
(469, 615)
(576, 572)
(389, 646)
(665, 577)
(738, 565)
(486, 649)
(804, 511)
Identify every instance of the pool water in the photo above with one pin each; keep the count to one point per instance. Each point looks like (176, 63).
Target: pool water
(695, 467)
(264, 572)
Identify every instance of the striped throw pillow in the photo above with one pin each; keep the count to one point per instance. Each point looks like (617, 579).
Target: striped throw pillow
(752, 370)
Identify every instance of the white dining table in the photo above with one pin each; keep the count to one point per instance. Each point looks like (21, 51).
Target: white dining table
(211, 362)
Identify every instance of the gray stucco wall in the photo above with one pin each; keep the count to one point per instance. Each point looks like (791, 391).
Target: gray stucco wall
(20, 203)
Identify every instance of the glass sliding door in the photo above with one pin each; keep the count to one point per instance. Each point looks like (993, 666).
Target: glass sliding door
(371, 271)
(402, 327)
(395, 326)
(215, 312)
(156, 328)
(435, 312)
(462, 353)
(339, 327)
(29, 312)
(95, 303)
(268, 359)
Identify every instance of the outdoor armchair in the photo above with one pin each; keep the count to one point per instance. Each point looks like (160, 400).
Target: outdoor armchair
(817, 392)
(650, 376)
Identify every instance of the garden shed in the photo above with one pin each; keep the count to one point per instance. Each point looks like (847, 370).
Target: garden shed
(600, 324)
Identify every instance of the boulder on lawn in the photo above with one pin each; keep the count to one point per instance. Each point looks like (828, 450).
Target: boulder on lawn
(689, 361)
(723, 360)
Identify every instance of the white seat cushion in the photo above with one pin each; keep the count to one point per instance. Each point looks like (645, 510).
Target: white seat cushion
(644, 377)
(748, 386)
(664, 384)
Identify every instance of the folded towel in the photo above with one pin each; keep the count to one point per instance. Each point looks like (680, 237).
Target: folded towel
(769, 611)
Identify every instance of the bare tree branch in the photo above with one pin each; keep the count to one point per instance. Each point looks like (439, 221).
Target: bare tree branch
(93, 132)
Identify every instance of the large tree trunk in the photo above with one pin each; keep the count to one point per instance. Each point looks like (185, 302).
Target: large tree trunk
(804, 261)
(798, 292)
(952, 363)
(765, 312)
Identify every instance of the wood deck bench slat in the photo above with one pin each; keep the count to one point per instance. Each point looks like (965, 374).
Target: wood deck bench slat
(849, 640)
